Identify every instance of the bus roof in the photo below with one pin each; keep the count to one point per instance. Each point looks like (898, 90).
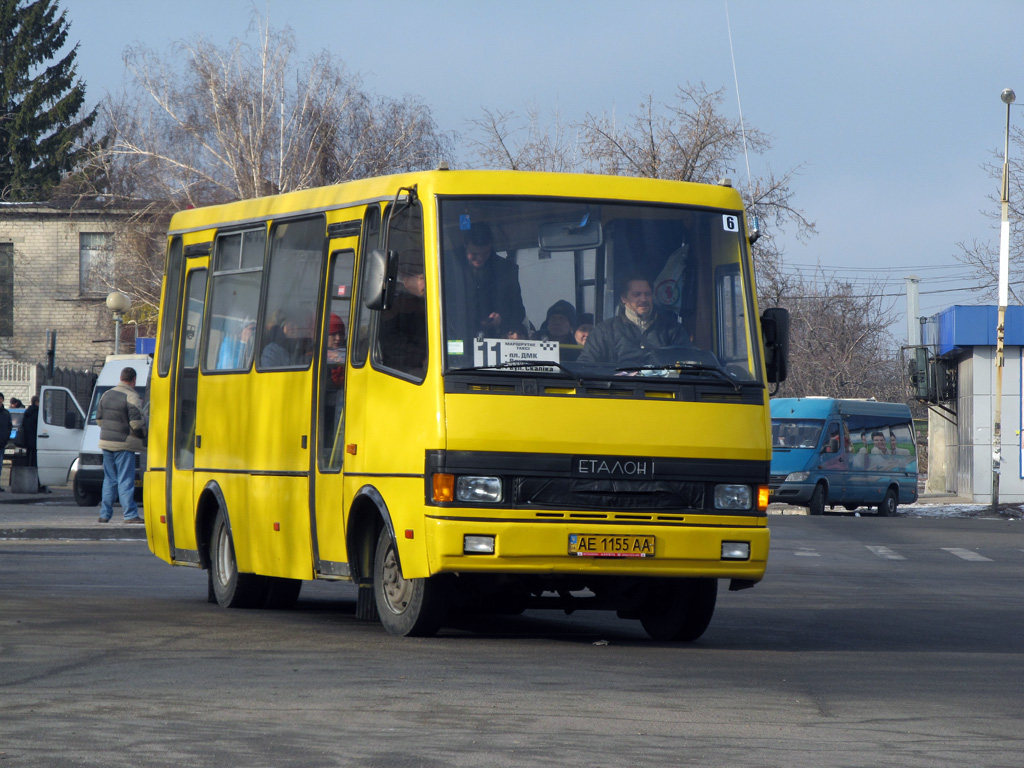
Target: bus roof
(823, 407)
(382, 188)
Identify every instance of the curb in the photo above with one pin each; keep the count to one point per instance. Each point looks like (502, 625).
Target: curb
(39, 533)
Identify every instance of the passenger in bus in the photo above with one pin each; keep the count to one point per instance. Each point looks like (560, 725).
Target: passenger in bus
(520, 333)
(235, 351)
(629, 337)
(584, 328)
(336, 350)
(487, 286)
(403, 326)
(288, 345)
(558, 324)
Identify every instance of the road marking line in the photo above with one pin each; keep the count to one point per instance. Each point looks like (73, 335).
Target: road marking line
(806, 553)
(967, 554)
(885, 553)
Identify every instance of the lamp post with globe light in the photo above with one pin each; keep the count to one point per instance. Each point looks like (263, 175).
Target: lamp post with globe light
(1007, 97)
(118, 303)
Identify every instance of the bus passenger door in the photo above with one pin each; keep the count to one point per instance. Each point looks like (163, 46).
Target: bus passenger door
(330, 501)
(181, 510)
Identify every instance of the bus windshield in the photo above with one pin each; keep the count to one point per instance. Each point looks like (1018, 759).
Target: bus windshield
(796, 433)
(596, 289)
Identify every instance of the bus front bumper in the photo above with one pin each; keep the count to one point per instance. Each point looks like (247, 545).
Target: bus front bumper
(711, 547)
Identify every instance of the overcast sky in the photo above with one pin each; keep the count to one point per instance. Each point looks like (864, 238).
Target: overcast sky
(889, 108)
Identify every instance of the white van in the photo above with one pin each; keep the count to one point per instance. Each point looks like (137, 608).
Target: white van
(67, 440)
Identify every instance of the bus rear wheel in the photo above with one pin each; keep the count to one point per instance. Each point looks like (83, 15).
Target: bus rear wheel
(680, 609)
(407, 607)
(888, 506)
(230, 588)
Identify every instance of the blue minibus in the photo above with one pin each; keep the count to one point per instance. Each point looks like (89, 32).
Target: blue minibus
(849, 453)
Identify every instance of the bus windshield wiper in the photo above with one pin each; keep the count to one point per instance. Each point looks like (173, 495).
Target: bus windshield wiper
(513, 365)
(684, 367)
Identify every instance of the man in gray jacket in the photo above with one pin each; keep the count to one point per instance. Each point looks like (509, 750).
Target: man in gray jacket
(122, 429)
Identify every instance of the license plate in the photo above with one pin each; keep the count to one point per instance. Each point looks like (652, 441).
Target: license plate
(599, 545)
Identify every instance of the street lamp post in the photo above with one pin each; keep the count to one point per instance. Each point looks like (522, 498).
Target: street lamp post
(118, 303)
(1008, 97)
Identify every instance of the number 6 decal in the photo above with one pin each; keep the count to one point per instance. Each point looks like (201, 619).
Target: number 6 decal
(730, 223)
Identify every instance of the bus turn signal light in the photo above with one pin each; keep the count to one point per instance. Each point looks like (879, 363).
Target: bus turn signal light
(444, 487)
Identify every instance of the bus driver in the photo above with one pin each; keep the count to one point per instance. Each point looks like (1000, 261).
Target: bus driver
(627, 338)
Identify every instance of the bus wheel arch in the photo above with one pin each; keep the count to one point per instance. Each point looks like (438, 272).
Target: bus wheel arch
(368, 515)
(227, 586)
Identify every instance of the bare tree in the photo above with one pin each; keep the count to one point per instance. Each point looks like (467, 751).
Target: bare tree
(247, 121)
(983, 255)
(518, 144)
(840, 341)
(209, 125)
(690, 139)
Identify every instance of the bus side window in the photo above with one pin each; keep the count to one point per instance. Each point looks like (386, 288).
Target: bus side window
(296, 259)
(402, 327)
(235, 297)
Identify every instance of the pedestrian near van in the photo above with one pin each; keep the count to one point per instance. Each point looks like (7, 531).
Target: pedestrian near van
(29, 426)
(122, 429)
(5, 431)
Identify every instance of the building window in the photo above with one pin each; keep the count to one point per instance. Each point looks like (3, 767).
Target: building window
(94, 252)
(6, 289)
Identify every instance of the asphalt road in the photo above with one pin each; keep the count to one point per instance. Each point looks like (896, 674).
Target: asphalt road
(871, 642)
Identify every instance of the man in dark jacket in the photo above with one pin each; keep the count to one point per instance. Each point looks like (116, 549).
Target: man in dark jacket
(627, 338)
(484, 290)
(122, 428)
(29, 426)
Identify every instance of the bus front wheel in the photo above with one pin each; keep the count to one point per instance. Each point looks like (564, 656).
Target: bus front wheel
(230, 588)
(816, 506)
(680, 609)
(407, 607)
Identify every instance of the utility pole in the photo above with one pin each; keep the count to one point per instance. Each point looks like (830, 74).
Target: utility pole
(1007, 97)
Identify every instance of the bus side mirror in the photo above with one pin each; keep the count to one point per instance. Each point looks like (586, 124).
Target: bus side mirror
(72, 421)
(775, 332)
(380, 279)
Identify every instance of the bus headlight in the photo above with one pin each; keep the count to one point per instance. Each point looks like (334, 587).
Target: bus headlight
(735, 550)
(730, 496)
(478, 490)
(797, 477)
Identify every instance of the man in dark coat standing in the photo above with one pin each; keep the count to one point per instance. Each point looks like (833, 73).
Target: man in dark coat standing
(29, 425)
(489, 301)
(627, 338)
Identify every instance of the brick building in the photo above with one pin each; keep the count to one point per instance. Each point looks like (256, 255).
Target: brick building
(55, 266)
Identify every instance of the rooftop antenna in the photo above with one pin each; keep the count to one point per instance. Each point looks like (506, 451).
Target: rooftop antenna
(743, 132)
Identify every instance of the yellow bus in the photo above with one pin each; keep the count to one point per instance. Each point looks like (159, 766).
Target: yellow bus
(467, 390)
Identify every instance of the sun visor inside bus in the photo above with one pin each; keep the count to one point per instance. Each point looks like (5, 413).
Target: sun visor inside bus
(577, 236)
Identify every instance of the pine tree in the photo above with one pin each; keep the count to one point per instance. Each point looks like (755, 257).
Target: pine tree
(40, 100)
